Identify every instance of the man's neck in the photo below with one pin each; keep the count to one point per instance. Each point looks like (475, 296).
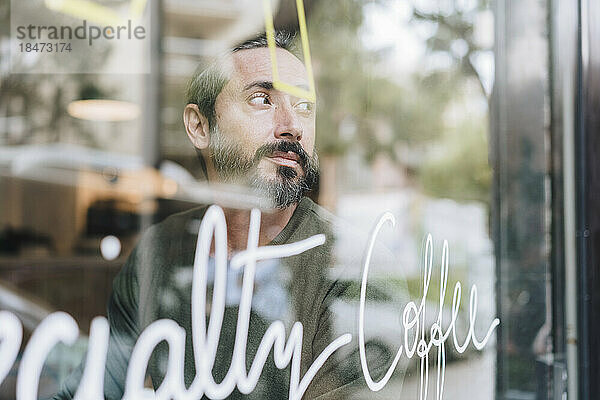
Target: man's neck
(271, 224)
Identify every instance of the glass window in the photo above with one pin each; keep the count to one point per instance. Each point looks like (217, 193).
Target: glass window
(338, 199)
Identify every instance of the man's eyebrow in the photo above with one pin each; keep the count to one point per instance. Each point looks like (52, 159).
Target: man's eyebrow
(268, 85)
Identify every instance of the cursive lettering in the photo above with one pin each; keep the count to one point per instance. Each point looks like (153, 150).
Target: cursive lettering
(60, 327)
(413, 318)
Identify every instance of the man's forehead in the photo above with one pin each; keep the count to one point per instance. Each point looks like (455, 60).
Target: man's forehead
(254, 65)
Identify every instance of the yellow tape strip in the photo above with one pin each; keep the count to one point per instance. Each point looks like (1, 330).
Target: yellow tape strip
(137, 8)
(270, 32)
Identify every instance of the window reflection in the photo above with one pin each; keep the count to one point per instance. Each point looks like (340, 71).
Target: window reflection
(401, 124)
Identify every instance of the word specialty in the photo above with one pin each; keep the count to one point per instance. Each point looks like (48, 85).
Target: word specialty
(61, 327)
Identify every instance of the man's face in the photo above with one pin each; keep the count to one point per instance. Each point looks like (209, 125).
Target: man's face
(264, 137)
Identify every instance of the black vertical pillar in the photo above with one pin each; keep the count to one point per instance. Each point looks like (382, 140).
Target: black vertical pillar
(588, 200)
(564, 38)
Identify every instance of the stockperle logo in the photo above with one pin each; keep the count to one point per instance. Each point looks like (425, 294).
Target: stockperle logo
(79, 36)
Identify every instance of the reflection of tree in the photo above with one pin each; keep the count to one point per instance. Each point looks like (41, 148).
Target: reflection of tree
(360, 111)
(348, 88)
(462, 172)
(364, 111)
(454, 35)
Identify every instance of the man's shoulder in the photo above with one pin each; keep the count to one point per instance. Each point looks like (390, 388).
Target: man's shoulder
(308, 219)
(318, 214)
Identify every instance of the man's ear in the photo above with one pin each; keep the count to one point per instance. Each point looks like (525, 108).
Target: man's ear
(196, 126)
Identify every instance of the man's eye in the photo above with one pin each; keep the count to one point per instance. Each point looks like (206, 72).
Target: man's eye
(304, 106)
(259, 100)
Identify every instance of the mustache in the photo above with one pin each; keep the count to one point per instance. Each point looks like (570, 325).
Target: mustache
(283, 146)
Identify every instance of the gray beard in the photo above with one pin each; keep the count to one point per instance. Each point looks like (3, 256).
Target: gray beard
(234, 166)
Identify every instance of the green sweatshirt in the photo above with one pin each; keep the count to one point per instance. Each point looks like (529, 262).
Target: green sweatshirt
(155, 283)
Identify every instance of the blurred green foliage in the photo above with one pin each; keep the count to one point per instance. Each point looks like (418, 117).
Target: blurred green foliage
(415, 287)
(401, 117)
(460, 171)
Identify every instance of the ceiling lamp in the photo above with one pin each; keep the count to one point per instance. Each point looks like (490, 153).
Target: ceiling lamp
(94, 105)
(103, 110)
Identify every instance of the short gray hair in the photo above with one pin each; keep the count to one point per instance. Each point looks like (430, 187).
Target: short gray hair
(207, 83)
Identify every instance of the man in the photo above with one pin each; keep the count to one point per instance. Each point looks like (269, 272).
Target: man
(250, 134)
(253, 135)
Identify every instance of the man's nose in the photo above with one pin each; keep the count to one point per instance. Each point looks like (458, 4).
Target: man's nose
(287, 124)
